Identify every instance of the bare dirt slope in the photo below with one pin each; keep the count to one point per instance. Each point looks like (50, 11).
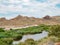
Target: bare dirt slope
(21, 21)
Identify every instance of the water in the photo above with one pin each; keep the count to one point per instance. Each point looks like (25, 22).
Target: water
(35, 37)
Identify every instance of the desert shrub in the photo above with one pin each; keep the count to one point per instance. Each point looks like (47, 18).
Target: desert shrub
(21, 43)
(19, 37)
(55, 31)
(1, 30)
(30, 42)
(6, 41)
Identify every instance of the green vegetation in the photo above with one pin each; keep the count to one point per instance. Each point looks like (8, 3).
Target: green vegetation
(1, 29)
(7, 37)
(6, 41)
(28, 42)
(55, 30)
(17, 32)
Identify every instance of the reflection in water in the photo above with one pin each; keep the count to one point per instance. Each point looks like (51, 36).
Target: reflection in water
(35, 37)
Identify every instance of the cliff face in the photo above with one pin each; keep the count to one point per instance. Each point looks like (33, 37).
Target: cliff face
(26, 21)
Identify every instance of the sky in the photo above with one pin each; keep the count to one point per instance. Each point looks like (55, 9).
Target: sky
(35, 8)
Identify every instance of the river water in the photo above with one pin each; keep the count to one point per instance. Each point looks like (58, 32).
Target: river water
(35, 37)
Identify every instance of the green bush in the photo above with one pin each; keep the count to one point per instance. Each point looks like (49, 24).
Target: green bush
(55, 31)
(6, 41)
(1, 30)
(28, 42)
(19, 37)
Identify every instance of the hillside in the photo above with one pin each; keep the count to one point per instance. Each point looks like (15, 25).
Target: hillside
(21, 21)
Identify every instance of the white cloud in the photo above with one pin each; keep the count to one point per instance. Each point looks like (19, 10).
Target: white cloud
(26, 1)
(29, 7)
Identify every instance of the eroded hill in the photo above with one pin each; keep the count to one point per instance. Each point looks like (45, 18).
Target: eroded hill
(21, 21)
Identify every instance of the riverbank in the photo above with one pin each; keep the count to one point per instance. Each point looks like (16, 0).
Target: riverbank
(16, 27)
(7, 37)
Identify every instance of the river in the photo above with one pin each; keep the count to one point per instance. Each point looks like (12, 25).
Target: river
(35, 37)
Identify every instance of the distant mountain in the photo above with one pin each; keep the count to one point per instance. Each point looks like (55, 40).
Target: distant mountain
(20, 21)
(3, 19)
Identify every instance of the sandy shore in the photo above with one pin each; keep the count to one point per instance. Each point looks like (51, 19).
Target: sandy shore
(15, 27)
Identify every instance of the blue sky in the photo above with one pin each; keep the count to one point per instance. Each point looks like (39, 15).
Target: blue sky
(36, 8)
